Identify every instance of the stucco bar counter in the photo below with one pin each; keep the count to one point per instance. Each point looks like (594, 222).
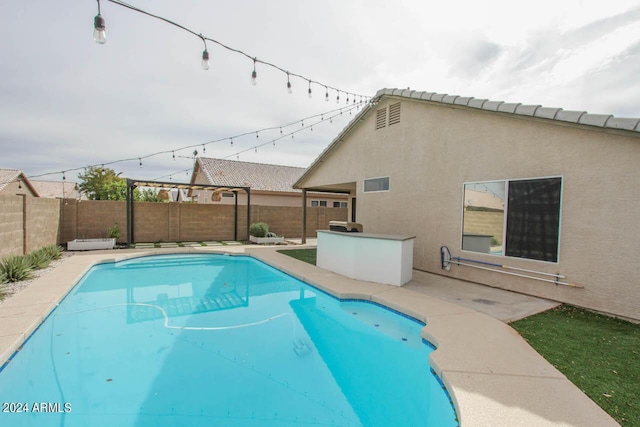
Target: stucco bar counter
(380, 258)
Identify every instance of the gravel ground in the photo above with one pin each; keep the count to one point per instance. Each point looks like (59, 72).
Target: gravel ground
(12, 288)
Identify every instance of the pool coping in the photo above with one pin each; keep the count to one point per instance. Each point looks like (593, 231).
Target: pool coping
(491, 373)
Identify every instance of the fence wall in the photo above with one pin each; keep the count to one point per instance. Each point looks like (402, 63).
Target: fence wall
(27, 223)
(182, 222)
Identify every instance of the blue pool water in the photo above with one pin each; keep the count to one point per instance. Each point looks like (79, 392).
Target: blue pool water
(215, 340)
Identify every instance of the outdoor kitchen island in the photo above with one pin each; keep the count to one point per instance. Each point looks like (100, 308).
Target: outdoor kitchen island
(380, 258)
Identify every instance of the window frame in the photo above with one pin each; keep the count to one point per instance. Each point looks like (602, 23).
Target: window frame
(364, 184)
(507, 182)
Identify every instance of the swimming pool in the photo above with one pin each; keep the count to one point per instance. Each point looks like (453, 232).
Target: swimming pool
(219, 340)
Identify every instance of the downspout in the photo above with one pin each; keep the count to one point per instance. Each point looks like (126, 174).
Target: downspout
(304, 217)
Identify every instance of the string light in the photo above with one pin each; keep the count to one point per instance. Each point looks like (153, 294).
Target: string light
(326, 94)
(205, 55)
(99, 26)
(310, 95)
(99, 33)
(203, 145)
(338, 98)
(254, 75)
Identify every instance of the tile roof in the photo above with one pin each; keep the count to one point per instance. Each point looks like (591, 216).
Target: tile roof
(579, 117)
(54, 189)
(258, 176)
(7, 176)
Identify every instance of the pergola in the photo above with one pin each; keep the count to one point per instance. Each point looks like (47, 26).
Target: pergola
(132, 184)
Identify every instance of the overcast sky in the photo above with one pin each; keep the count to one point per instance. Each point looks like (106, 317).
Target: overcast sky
(67, 102)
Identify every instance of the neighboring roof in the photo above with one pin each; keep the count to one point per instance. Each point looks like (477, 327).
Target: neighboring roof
(258, 176)
(56, 189)
(8, 176)
(606, 121)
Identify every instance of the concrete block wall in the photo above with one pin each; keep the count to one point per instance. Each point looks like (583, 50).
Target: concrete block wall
(27, 223)
(489, 223)
(43, 222)
(182, 222)
(11, 226)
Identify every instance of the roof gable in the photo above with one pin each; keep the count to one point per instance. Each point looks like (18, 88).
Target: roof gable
(603, 121)
(7, 176)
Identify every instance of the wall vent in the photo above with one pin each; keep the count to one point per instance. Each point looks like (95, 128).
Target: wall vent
(394, 114)
(381, 118)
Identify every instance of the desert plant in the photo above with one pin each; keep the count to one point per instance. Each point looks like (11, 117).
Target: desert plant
(259, 229)
(16, 268)
(114, 232)
(53, 251)
(38, 259)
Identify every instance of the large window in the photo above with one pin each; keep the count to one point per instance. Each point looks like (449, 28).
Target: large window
(376, 184)
(517, 218)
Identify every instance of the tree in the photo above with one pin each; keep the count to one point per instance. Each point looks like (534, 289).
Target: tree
(103, 184)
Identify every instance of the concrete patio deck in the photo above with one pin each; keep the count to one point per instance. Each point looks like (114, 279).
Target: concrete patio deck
(494, 377)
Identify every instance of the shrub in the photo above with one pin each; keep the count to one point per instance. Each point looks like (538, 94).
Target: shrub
(53, 251)
(259, 229)
(16, 268)
(114, 232)
(38, 259)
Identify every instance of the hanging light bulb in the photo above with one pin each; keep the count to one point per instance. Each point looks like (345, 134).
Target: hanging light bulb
(347, 99)
(256, 149)
(140, 160)
(173, 153)
(99, 34)
(231, 141)
(205, 60)
(254, 75)
(204, 149)
(338, 98)
(309, 91)
(326, 94)
(289, 85)
(205, 55)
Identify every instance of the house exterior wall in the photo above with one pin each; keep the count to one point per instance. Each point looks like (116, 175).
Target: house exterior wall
(437, 147)
(13, 188)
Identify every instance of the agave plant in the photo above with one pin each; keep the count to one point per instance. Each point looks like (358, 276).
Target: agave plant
(53, 251)
(39, 259)
(16, 268)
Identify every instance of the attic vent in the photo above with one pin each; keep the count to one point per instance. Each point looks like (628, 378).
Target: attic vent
(394, 114)
(381, 118)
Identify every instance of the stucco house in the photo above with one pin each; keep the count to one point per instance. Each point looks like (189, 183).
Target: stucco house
(14, 181)
(502, 186)
(271, 185)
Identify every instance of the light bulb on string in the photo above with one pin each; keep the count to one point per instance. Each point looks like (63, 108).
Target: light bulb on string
(257, 135)
(140, 160)
(205, 55)
(289, 89)
(309, 92)
(232, 141)
(347, 102)
(204, 149)
(338, 98)
(255, 150)
(280, 130)
(173, 154)
(254, 75)
(99, 34)
(326, 94)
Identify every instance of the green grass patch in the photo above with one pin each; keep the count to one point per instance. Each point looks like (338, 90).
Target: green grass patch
(599, 354)
(306, 255)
